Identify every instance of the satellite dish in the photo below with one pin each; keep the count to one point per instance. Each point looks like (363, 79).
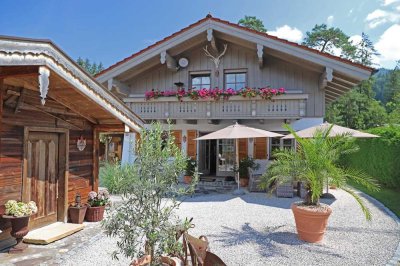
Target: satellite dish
(183, 62)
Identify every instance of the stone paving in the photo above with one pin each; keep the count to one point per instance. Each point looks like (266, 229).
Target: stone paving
(51, 254)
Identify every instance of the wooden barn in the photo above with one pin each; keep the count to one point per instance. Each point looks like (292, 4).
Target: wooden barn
(51, 114)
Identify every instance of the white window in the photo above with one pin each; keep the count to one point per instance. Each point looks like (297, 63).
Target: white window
(200, 81)
(236, 80)
(276, 144)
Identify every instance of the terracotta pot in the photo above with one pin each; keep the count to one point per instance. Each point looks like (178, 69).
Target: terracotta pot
(310, 224)
(187, 179)
(332, 187)
(94, 214)
(19, 229)
(77, 214)
(244, 182)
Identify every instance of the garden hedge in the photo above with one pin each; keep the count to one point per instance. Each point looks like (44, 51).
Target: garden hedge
(379, 157)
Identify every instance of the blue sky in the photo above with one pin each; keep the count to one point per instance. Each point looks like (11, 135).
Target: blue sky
(109, 31)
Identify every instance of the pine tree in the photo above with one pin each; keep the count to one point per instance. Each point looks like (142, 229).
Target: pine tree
(330, 40)
(365, 51)
(253, 23)
(91, 68)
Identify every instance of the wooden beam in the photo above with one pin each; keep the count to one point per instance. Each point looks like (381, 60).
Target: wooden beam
(20, 100)
(350, 81)
(333, 92)
(169, 60)
(260, 54)
(330, 96)
(72, 107)
(53, 115)
(345, 84)
(341, 92)
(19, 75)
(335, 85)
(95, 170)
(1, 107)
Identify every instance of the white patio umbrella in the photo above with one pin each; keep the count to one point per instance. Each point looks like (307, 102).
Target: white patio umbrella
(335, 131)
(237, 132)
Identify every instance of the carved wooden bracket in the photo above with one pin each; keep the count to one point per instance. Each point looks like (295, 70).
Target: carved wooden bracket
(326, 77)
(212, 40)
(260, 54)
(44, 74)
(171, 62)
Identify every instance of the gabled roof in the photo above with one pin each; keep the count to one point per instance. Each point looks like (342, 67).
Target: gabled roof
(16, 51)
(230, 24)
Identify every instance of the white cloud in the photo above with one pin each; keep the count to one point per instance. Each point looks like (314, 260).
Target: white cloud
(288, 33)
(379, 17)
(398, 8)
(389, 2)
(388, 46)
(355, 39)
(329, 20)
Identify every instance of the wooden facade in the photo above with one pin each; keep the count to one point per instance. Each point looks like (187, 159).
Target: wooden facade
(311, 80)
(47, 104)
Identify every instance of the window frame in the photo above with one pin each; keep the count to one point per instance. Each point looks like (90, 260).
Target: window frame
(196, 74)
(235, 71)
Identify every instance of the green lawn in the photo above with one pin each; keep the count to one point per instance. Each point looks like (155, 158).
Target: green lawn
(389, 197)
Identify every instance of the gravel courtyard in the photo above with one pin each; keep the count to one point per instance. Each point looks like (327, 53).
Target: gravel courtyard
(257, 230)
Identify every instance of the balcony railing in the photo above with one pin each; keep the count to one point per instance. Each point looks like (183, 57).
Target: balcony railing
(237, 107)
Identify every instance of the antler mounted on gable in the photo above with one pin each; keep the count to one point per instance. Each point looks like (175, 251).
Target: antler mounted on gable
(216, 59)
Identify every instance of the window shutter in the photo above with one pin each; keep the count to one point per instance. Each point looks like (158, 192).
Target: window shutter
(191, 144)
(242, 148)
(178, 137)
(260, 148)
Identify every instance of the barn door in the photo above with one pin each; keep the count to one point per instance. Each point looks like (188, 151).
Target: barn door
(41, 179)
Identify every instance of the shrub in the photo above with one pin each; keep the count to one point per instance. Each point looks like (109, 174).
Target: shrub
(145, 223)
(111, 175)
(380, 157)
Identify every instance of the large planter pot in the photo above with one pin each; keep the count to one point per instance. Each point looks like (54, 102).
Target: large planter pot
(94, 214)
(77, 214)
(244, 182)
(19, 229)
(187, 179)
(311, 223)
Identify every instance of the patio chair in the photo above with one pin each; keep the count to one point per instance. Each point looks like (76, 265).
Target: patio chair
(285, 190)
(255, 175)
(200, 253)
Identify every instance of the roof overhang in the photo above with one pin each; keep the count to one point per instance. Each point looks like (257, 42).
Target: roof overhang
(341, 67)
(31, 52)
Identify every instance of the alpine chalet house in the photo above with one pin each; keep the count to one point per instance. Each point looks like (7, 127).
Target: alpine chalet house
(51, 114)
(214, 73)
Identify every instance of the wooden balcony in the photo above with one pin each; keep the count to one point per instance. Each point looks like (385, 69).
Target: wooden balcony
(237, 107)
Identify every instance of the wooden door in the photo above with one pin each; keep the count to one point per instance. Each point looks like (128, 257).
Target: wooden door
(41, 181)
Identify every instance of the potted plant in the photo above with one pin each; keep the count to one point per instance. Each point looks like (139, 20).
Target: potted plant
(314, 161)
(244, 165)
(77, 211)
(96, 205)
(19, 213)
(189, 170)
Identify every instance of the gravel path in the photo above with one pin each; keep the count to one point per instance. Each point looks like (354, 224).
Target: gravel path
(258, 230)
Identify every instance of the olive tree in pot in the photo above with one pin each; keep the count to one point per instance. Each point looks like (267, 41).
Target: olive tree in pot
(315, 161)
(145, 223)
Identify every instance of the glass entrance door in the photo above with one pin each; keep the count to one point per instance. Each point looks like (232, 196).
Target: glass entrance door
(226, 157)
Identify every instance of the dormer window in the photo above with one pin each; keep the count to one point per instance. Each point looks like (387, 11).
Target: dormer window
(235, 80)
(201, 81)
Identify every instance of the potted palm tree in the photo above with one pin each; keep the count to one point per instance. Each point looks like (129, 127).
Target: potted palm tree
(315, 161)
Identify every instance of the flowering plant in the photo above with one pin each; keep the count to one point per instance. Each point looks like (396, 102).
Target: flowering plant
(267, 93)
(98, 199)
(248, 92)
(216, 93)
(19, 209)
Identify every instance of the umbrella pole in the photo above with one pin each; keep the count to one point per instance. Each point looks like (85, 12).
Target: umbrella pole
(237, 161)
